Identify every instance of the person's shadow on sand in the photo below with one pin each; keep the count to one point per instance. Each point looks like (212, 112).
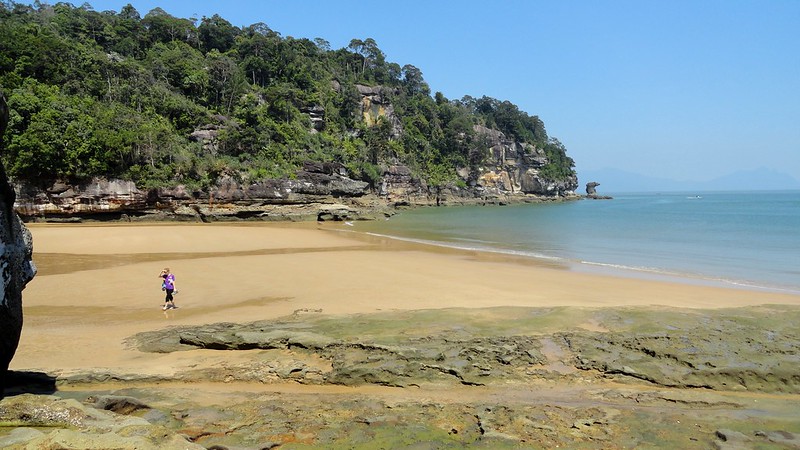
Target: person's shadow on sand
(23, 382)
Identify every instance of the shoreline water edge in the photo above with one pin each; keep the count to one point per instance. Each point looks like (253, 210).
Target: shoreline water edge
(598, 268)
(742, 240)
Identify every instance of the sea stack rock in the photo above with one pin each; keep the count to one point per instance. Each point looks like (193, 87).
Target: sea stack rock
(591, 191)
(16, 266)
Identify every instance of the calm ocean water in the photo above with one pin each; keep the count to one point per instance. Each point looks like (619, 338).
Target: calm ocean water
(746, 239)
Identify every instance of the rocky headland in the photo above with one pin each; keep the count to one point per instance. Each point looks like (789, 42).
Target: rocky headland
(511, 173)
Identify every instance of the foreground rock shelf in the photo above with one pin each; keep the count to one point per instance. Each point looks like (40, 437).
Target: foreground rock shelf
(755, 349)
(492, 378)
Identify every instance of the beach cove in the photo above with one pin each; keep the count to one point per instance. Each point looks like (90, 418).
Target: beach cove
(412, 342)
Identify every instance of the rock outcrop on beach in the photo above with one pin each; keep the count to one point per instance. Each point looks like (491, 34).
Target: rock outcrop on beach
(302, 198)
(492, 378)
(16, 265)
(719, 351)
(308, 197)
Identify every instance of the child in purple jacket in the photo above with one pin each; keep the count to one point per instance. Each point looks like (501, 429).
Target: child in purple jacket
(168, 285)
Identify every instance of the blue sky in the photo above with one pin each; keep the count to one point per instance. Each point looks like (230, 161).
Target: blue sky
(687, 90)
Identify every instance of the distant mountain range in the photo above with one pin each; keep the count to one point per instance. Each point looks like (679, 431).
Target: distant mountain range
(615, 180)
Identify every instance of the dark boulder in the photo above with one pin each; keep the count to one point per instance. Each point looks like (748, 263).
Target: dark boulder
(16, 266)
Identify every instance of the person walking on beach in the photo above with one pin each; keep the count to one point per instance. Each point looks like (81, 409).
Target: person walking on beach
(168, 286)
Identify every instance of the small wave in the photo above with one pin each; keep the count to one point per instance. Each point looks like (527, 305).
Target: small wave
(478, 248)
(478, 241)
(755, 286)
(694, 277)
(624, 267)
(620, 269)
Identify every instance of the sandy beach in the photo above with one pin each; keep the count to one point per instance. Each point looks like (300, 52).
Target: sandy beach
(98, 285)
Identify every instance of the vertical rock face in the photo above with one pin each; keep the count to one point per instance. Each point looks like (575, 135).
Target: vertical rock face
(514, 167)
(16, 266)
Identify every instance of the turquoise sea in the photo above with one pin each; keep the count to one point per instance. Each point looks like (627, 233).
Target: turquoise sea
(739, 239)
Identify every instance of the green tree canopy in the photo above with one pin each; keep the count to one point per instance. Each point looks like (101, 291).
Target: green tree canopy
(120, 94)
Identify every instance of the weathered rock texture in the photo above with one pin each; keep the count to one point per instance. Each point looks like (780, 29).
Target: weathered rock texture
(289, 199)
(16, 266)
(406, 362)
(43, 421)
(447, 379)
(726, 350)
(374, 105)
(514, 167)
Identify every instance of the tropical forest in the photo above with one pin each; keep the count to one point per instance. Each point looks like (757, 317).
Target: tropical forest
(123, 94)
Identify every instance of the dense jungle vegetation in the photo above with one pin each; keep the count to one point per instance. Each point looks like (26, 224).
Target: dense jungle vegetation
(112, 94)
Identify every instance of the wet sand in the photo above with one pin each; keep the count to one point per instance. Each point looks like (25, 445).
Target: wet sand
(98, 285)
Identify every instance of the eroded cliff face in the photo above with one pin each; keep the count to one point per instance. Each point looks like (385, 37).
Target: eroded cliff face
(511, 172)
(514, 167)
(511, 168)
(312, 191)
(16, 266)
(374, 105)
